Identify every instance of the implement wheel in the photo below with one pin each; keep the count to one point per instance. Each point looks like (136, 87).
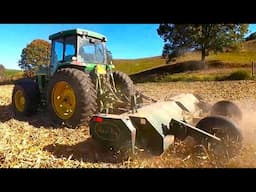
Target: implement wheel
(226, 130)
(227, 109)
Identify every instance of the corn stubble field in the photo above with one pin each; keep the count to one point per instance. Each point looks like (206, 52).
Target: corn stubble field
(33, 143)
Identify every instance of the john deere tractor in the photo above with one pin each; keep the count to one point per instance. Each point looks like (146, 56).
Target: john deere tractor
(79, 82)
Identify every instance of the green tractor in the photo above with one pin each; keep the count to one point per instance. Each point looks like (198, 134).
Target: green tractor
(79, 82)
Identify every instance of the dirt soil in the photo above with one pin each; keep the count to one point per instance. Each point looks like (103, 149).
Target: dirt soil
(32, 142)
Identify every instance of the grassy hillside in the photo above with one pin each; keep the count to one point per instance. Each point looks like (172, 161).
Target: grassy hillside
(13, 72)
(10, 75)
(131, 66)
(241, 58)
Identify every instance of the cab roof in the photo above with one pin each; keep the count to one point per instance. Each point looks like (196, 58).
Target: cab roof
(77, 32)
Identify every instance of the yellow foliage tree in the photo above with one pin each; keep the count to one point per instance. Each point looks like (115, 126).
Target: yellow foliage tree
(35, 55)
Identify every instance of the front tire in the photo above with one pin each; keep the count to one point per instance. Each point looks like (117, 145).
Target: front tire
(71, 98)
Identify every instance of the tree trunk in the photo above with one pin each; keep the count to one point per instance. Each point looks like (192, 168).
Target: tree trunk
(203, 55)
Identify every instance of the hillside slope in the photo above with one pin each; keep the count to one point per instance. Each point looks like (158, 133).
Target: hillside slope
(242, 58)
(131, 66)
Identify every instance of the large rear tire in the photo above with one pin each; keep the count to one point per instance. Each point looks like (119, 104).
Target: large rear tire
(226, 130)
(124, 86)
(71, 98)
(25, 97)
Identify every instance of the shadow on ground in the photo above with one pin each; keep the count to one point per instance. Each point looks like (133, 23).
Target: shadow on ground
(86, 151)
(39, 119)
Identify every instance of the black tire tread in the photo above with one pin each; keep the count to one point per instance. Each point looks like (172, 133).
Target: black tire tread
(229, 128)
(124, 79)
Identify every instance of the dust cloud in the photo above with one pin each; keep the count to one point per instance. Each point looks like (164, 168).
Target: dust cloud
(248, 124)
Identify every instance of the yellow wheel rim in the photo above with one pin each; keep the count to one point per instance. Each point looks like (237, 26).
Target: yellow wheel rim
(63, 100)
(19, 100)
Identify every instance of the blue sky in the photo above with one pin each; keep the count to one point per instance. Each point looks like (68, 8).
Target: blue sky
(126, 41)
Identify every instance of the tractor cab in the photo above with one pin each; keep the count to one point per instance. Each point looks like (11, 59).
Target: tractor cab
(78, 47)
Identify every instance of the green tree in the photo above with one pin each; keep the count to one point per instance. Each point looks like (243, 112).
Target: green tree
(35, 55)
(202, 37)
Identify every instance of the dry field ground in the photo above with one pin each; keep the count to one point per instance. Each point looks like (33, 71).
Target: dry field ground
(32, 142)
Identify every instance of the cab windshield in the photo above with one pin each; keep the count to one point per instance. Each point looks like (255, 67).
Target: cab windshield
(91, 51)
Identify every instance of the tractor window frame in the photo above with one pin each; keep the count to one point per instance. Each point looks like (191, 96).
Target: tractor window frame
(63, 41)
(96, 41)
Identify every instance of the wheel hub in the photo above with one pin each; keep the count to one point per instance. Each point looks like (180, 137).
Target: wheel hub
(19, 100)
(63, 100)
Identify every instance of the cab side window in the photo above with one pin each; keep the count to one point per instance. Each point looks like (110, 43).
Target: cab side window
(58, 50)
(57, 53)
(70, 48)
